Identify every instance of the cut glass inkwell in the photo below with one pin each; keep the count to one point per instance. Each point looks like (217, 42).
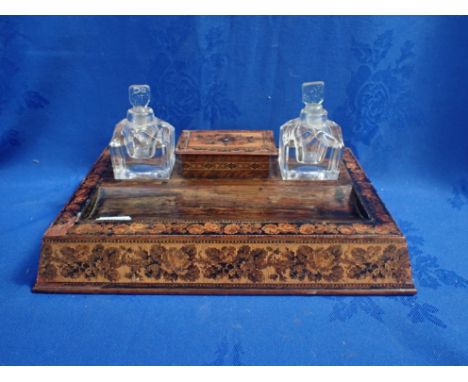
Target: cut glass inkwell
(142, 146)
(310, 146)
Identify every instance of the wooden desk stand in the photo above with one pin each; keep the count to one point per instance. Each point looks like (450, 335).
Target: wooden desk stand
(225, 236)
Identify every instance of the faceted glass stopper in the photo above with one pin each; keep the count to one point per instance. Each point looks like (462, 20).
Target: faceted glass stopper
(312, 92)
(139, 95)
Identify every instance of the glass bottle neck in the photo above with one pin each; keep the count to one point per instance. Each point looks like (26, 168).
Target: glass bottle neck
(140, 116)
(314, 116)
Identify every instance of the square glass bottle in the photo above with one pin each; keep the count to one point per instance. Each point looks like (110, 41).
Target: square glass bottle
(310, 146)
(142, 146)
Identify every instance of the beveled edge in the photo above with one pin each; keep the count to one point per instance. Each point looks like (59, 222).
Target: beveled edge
(278, 290)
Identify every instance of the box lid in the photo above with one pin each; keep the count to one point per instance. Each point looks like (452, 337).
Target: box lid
(227, 142)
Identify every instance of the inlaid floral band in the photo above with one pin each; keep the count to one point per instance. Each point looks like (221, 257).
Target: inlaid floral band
(225, 263)
(233, 229)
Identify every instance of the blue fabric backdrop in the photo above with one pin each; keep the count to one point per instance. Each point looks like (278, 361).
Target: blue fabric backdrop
(397, 85)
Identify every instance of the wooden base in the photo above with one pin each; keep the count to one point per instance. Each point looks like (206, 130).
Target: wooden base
(225, 236)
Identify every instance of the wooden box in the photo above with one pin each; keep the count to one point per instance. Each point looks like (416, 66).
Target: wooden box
(241, 154)
(225, 236)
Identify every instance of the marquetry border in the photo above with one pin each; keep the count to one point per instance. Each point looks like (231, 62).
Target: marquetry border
(252, 263)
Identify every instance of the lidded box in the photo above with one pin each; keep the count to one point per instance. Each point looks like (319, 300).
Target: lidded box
(226, 153)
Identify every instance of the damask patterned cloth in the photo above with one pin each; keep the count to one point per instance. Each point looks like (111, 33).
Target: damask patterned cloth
(397, 85)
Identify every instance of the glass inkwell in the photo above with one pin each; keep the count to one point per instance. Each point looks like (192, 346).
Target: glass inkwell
(310, 146)
(142, 146)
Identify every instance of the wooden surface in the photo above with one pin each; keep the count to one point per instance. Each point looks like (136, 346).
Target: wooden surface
(227, 142)
(225, 236)
(226, 200)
